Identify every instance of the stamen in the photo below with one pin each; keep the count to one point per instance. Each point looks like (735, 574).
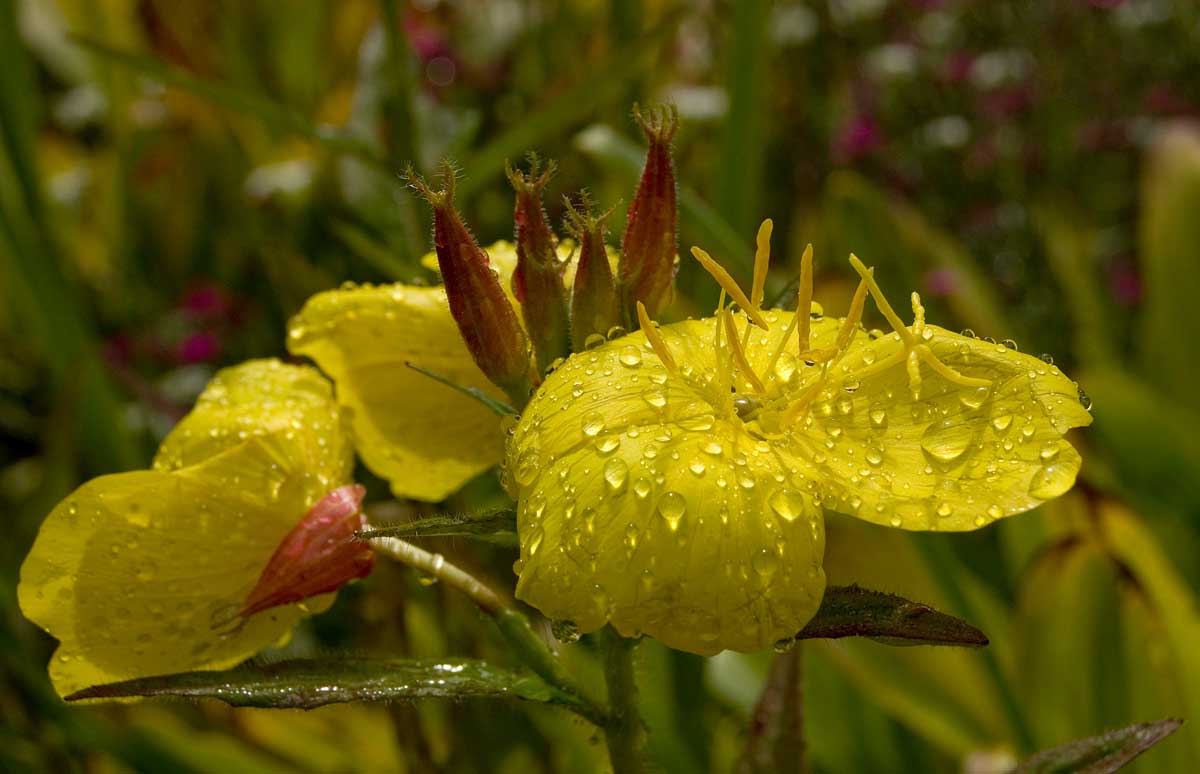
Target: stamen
(724, 377)
(782, 343)
(804, 299)
(739, 354)
(846, 332)
(948, 373)
(656, 342)
(882, 302)
(762, 259)
(727, 282)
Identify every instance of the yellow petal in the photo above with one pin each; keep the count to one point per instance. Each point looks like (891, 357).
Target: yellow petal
(640, 505)
(930, 454)
(143, 573)
(426, 438)
(257, 398)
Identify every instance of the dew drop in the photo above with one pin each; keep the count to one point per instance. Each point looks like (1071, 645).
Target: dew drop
(788, 504)
(593, 423)
(995, 511)
(655, 397)
(630, 356)
(642, 487)
(947, 440)
(879, 418)
(973, 399)
(535, 540)
(785, 367)
(608, 444)
(527, 466)
(593, 341)
(713, 448)
(616, 473)
(1051, 480)
(1049, 452)
(672, 507)
(1002, 422)
(944, 509)
(697, 467)
(765, 562)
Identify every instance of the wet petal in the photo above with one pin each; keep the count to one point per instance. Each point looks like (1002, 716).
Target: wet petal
(260, 397)
(426, 438)
(932, 454)
(639, 506)
(144, 573)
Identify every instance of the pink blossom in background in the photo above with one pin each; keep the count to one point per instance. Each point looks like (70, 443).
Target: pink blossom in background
(941, 282)
(859, 136)
(198, 348)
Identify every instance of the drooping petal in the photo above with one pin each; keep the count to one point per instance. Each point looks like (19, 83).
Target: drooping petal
(257, 398)
(144, 573)
(427, 439)
(641, 505)
(931, 454)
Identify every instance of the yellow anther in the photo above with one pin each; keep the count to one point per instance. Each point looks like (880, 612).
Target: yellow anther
(918, 314)
(882, 302)
(762, 259)
(854, 316)
(725, 281)
(804, 299)
(739, 354)
(656, 342)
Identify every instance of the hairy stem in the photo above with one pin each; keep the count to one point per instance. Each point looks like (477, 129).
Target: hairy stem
(524, 641)
(623, 732)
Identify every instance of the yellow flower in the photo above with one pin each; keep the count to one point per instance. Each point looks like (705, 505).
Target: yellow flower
(672, 481)
(425, 438)
(166, 570)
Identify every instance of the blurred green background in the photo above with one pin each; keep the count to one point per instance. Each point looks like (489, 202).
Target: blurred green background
(177, 176)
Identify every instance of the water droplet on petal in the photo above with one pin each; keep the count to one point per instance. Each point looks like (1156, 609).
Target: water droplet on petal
(642, 487)
(593, 423)
(765, 562)
(608, 444)
(616, 473)
(655, 397)
(1051, 480)
(788, 504)
(630, 356)
(672, 507)
(947, 440)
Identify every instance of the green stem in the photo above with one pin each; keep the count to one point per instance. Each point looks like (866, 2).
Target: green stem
(525, 642)
(623, 732)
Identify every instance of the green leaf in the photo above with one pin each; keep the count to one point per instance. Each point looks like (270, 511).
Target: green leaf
(270, 112)
(577, 104)
(499, 527)
(850, 611)
(775, 740)
(1102, 754)
(1170, 255)
(307, 683)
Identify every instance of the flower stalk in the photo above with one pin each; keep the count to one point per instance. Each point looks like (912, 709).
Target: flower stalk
(624, 732)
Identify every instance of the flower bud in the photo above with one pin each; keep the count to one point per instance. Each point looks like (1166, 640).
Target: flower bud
(485, 318)
(648, 252)
(318, 556)
(537, 281)
(594, 300)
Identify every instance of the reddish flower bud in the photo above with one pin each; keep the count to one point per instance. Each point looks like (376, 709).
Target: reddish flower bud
(648, 253)
(486, 319)
(594, 301)
(319, 555)
(537, 282)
